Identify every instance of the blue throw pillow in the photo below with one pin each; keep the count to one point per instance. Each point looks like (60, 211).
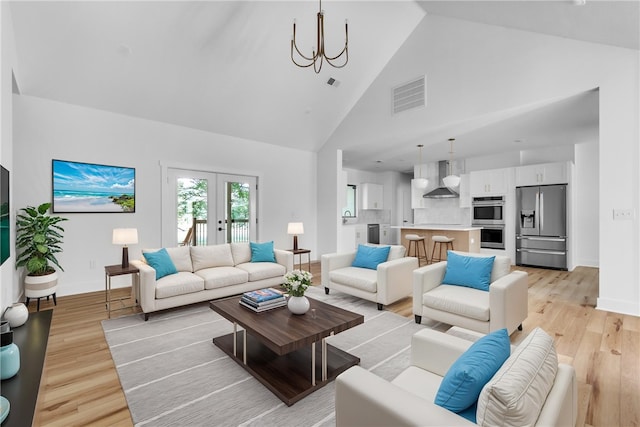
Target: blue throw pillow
(465, 379)
(472, 272)
(262, 252)
(161, 262)
(370, 256)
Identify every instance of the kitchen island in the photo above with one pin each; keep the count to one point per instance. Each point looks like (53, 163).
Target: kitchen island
(467, 238)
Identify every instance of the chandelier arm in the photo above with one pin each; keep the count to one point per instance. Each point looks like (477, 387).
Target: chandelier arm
(332, 58)
(294, 45)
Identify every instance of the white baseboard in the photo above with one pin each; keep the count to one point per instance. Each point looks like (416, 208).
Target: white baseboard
(618, 306)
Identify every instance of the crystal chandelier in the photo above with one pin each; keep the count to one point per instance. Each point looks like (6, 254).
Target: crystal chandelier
(451, 180)
(320, 55)
(420, 182)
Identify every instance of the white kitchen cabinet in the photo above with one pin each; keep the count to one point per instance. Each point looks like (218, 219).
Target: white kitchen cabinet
(372, 195)
(465, 191)
(488, 182)
(543, 174)
(385, 234)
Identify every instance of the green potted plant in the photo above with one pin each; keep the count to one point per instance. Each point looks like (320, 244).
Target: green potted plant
(38, 240)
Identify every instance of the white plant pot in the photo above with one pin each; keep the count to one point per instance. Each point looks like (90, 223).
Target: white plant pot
(40, 286)
(17, 314)
(298, 305)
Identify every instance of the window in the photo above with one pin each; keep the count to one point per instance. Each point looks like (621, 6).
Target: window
(349, 211)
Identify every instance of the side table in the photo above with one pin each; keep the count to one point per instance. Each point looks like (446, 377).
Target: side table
(117, 270)
(299, 252)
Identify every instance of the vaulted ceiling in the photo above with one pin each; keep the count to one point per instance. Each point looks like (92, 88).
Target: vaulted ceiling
(224, 67)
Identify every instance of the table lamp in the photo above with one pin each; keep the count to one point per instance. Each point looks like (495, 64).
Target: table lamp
(295, 228)
(125, 236)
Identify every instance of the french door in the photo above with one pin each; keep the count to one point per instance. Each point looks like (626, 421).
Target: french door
(205, 208)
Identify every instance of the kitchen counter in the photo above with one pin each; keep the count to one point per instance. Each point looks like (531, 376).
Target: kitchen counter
(447, 227)
(467, 238)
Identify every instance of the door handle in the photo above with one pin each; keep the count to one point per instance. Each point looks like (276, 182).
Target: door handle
(221, 229)
(533, 251)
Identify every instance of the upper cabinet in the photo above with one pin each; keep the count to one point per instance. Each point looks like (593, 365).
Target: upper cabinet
(547, 173)
(372, 196)
(489, 182)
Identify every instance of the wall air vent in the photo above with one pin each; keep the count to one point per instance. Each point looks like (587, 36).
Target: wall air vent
(409, 96)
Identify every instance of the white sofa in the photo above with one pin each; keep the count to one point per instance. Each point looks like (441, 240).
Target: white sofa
(206, 273)
(390, 282)
(546, 396)
(505, 305)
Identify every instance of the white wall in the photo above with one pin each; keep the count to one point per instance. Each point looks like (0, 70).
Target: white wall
(512, 68)
(46, 129)
(8, 292)
(586, 198)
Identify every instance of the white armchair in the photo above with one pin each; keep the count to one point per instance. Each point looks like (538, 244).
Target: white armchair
(505, 305)
(364, 399)
(390, 282)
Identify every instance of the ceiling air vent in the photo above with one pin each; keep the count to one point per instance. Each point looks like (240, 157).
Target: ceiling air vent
(409, 95)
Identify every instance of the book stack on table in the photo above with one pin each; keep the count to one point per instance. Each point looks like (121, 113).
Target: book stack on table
(263, 299)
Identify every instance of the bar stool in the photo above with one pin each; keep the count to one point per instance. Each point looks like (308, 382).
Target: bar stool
(415, 239)
(439, 240)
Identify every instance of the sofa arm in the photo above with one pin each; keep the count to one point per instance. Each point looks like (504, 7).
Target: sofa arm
(334, 261)
(509, 301)
(435, 351)
(364, 399)
(425, 279)
(284, 258)
(395, 279)
(147, 286)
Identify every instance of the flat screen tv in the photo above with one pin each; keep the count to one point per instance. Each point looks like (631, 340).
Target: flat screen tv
(4, 215)
(90, 188)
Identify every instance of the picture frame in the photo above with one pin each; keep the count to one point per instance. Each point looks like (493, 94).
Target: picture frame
(79, 187)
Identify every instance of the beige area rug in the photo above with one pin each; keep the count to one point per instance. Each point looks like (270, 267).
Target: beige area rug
(173, 375)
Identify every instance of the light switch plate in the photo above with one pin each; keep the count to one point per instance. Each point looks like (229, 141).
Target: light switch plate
(623, 214)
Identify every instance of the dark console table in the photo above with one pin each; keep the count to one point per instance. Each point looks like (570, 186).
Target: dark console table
(22, 389)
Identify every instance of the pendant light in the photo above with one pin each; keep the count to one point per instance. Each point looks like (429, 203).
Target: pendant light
(451, 180)
(420, 183)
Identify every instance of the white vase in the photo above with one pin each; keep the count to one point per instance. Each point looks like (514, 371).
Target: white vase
(16, 315)
(298, 305)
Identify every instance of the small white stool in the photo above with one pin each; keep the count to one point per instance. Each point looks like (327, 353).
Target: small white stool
(415, 239)
(440, 240)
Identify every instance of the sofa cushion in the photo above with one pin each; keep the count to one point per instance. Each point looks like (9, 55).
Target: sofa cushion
(473, 272)
(178, 284)
(396, 252)
(356, 277)
(262, 270)
(517, 392)
(241, 253)
(463, 382)
(161, 263)
(180, 256)
(467, 302)
(219, 277)
(370, 256)
(501, 264)
(211, 256)
(262, 252)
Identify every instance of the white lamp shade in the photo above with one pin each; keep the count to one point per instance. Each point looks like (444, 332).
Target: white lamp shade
(295, 228)
(451, 181)
(420, 183)
(125, 236)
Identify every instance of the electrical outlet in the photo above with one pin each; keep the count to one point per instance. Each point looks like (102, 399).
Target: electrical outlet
(622, 214)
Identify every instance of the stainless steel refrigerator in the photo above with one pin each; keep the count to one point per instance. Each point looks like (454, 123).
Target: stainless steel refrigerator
(541, 226)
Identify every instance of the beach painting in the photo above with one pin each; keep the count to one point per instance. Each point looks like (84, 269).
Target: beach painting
(88, 187)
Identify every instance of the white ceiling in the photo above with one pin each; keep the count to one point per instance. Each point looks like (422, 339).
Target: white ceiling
(224, 67)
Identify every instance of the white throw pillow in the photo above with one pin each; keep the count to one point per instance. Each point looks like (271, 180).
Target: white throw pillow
(211, 256)
(180, 256)
(516, 393)
(396, 252)
(241, 252)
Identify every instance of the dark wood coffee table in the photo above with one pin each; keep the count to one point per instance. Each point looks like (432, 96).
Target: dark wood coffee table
(279, 348)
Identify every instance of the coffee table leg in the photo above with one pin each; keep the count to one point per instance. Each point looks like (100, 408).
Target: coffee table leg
(244, 345)
(324, 359)
(235, 332)
(313, 363)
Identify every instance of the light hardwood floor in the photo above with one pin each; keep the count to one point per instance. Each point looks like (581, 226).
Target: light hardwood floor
(80, 385)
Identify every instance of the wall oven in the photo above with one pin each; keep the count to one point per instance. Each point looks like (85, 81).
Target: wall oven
(488, 213)
(488, 210)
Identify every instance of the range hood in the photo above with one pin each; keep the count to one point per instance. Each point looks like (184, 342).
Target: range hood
(441, 192)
